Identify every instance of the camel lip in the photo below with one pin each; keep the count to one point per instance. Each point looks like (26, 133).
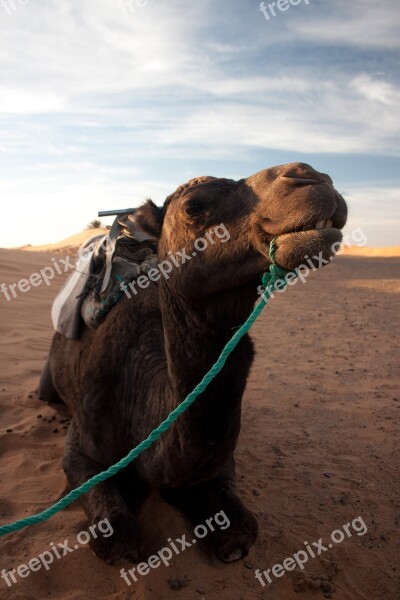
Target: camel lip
(264, 238)
(319, 223)
(305, 231)
(293, 249)
(304, 237)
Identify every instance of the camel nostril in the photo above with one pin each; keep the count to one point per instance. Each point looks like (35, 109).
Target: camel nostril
(302, 174)
(301, 180)
(326, 178)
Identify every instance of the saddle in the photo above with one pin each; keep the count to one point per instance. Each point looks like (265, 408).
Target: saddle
(104, 264)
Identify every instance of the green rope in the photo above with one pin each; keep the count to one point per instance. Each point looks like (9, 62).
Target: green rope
(269, 280)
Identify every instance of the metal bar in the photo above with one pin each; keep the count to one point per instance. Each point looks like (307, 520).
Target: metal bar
(110, 213)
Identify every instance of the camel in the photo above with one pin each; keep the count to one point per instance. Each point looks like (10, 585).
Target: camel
(122, 379)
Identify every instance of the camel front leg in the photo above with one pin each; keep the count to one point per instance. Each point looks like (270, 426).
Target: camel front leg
(104, 501)
(201, 502)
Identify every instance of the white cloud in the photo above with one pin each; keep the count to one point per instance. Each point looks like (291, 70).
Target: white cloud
(86, 86)
(376, 210)
(99, 63)
(376, 90)
(362, 23)
(22, 101)
(95, 48)
(370, 201)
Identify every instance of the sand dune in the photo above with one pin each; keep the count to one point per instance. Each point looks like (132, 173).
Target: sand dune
(385, 251)
(74, 241)
(319, 446)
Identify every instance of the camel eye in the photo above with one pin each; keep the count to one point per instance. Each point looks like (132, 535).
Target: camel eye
(194, 209)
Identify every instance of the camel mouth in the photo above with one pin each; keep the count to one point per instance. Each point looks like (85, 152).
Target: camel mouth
(301, 208)
(318, 220)
(317, 224)
(318, 237)
(323, 224)
(296, 248)
(312, 223)
(315, 237)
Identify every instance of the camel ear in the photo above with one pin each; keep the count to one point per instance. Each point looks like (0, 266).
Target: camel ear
(212, 188)
(203, 190)
(149, 218)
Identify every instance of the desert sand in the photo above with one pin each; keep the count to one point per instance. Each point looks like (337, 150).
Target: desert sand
(387, 251)
(319, 447)
(66, 245)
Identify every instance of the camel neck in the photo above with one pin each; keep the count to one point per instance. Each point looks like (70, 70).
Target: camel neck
(195, 335)
(206, 434)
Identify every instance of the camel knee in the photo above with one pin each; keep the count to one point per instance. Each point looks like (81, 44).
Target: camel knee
(77, 466)
(46, 389)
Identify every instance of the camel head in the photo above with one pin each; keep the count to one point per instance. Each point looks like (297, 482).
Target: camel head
(300, 206)
(292, 202)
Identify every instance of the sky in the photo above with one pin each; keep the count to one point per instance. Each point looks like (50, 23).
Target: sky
(104, 103)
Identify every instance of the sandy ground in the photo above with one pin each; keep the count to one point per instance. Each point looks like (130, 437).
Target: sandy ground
(319, 447)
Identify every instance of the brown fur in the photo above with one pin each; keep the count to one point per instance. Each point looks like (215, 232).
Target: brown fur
(123, 379)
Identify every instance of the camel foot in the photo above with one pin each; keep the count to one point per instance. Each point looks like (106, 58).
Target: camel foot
(234, 543)
(235, 528)
(123, 543)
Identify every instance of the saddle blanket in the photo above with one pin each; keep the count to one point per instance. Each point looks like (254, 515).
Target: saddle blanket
(104, 263)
